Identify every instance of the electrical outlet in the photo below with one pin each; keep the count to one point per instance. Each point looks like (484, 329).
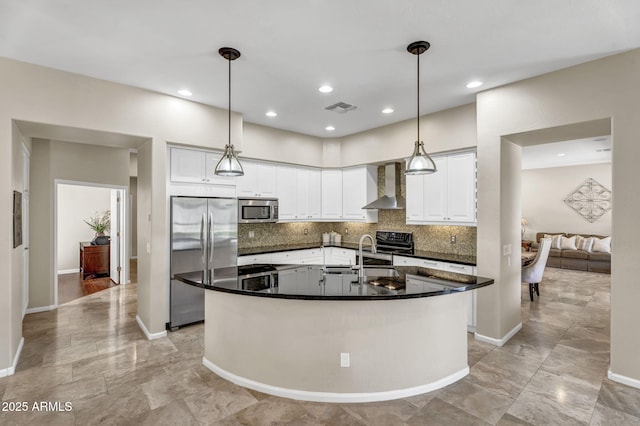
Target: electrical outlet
(306, 231)
(346, 231)
(453, 239)
(345, 360)
(252, 234)
(506, 250)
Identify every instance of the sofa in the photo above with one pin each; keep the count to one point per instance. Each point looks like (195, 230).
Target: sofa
(594, 259)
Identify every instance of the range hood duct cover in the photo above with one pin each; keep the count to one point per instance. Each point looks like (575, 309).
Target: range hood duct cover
(391, 200)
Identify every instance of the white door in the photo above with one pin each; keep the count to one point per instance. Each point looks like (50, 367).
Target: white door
(117, 262)
(26, 158)
(435, 192)
(332, 194)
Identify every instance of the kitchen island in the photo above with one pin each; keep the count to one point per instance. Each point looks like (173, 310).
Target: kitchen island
(321, 333)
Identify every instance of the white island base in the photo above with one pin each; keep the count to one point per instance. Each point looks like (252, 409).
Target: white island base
(292, 347)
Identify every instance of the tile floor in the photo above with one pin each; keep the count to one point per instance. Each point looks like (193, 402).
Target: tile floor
(91, 353)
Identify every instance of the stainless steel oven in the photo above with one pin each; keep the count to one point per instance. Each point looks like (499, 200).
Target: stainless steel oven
(257, 210)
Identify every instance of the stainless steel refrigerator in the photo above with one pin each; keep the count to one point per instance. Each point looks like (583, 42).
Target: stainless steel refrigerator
(204, 236)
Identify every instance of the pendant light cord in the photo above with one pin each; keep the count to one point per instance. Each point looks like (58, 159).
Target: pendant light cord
(229, 59)
(418, 102)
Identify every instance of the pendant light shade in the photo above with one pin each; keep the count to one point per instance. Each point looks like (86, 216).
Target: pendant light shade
(420, 162)
(229, 165)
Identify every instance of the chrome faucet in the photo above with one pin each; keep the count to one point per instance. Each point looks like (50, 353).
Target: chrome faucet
(373, 250)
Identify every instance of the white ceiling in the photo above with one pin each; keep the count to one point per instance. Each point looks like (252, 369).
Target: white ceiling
(289, 48)
(567, 153)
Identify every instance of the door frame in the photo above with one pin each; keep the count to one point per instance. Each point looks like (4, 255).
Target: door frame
(123, 246)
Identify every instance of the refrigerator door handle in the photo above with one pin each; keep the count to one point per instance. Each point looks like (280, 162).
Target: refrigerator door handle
(210, 238)
(202, 242)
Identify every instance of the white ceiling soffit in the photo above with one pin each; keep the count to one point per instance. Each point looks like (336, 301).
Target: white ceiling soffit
(72, 134)
(567, 153)
(290, 48)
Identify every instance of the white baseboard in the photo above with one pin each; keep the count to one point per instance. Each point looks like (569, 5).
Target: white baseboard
(346, 397)
(634, 383)
(11, 370)
(150, 336)
(502, 341)
(68, 271)
(41, 309)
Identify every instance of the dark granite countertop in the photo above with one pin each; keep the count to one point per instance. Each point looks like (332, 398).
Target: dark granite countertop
(421, 254)
(315, 282)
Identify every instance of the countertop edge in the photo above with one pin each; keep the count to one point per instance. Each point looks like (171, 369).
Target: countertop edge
(352, 246)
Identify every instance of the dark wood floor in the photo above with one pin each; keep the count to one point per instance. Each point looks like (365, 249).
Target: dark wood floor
(72, 286)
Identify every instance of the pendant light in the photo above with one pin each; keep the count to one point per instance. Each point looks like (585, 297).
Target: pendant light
(229, 165)
(420, 162)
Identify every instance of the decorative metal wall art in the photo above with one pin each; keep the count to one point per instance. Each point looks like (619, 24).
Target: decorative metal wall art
(590, 200)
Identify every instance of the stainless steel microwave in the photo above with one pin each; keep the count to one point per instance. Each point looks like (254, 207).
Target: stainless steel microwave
(257, 210)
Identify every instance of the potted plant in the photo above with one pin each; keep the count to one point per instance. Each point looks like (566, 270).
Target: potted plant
(100, 223)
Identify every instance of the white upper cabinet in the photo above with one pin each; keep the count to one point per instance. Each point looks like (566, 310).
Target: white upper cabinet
(314, 195)
(332, 194)
(259, 180)
(195, 166)
(447, 196)
(299, 193)
(287, 192)
(359, 188)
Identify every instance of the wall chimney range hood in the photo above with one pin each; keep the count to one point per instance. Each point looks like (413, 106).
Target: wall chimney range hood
(391, 200)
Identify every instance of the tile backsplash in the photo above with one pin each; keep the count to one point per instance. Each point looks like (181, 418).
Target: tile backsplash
(426, 237)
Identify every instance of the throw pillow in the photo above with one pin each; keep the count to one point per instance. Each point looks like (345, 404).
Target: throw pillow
(568, 243)
(555, 240)
(584, 243)
(602, 245)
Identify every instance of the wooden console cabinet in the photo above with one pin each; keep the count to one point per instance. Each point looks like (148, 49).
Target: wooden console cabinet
(94, 260)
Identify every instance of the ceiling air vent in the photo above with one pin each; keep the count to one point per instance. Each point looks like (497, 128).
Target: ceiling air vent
(341, 107)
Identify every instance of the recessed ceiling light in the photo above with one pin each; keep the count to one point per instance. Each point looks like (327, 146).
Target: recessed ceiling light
(474, 84)
(185, 92)
(271, 114)
(325, 89)
(387, 110)
(562, 154)
(330, 128)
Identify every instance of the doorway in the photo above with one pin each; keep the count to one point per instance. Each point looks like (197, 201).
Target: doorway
(82, 265)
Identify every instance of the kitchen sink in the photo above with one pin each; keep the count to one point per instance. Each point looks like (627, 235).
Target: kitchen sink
(380, 272)
(368, 271)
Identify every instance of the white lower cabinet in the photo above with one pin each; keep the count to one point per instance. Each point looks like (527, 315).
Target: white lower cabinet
(252, 259)
(339, 256)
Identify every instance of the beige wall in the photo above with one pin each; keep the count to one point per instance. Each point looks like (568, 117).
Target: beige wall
(447, 130)
(51, 161)
(133, 192)
(75, 205)
(595, 90)
(543, 194)
(266, 143)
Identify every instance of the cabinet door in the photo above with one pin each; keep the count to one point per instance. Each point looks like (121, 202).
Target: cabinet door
(354, 193)
(314, 194)
(461, 187)
(187, 165)
(301, 181)
(287, 192)
(435, 192)
(415, 197)
(247, 185)
(211, 160)
(332, 194)
(267, 180)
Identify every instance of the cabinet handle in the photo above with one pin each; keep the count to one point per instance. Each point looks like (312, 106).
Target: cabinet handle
(203, 179)
(456, 266)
